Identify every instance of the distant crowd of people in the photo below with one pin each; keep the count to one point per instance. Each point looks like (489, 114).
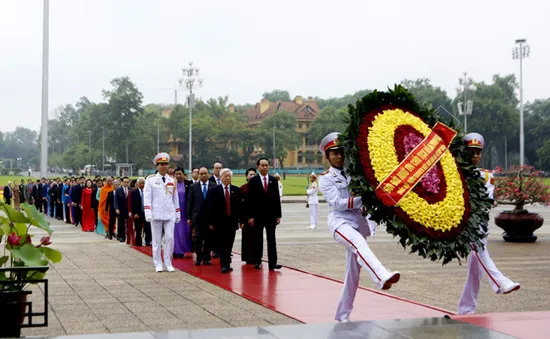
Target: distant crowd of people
(205, 225)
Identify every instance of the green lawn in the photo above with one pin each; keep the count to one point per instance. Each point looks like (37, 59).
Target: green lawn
(293, 185)
(4, 179)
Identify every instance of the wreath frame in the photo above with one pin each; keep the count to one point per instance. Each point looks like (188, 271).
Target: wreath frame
(480, 204)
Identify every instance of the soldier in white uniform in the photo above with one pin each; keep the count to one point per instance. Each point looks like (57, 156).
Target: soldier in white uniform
(312, 200)
(479, 261)
(162, 210)
(349, 228)
(280, 184)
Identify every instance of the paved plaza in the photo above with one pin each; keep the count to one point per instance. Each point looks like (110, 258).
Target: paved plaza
(106, 287)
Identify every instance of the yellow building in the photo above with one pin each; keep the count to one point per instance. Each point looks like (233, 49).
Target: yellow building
(306, 111)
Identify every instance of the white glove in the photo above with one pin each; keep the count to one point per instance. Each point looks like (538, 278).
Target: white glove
(178, 220)
(147, 219)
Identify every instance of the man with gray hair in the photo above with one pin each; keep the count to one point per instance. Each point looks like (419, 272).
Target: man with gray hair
(137, 211)
(224, 204)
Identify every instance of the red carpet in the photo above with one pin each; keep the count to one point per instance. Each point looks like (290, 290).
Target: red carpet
(301, 295)
(521, 324)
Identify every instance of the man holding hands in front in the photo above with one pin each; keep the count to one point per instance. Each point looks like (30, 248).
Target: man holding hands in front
(162, 210)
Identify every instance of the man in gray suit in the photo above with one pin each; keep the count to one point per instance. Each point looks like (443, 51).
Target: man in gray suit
(197, 218)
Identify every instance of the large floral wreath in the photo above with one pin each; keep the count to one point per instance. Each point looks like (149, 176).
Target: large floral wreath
(440, 217)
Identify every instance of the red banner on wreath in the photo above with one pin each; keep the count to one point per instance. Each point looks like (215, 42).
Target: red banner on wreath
(415, 165)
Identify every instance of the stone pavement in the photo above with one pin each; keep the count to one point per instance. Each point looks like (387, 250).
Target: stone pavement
(422, 280)
(104, 286)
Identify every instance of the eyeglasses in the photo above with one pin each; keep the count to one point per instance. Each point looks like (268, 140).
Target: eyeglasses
(163, 163)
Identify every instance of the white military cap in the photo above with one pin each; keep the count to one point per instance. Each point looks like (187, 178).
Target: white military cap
(330, 142)
(313, 174)
(223, 171)
(162, 157)
(474, 140)
(277, 175)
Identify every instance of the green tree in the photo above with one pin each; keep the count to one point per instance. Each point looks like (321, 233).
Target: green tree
(277, 95)
(21, 143)
(425, 92)
(537, 125)
(124, 100)
(494, 116)
(342, 102)
(330, 119)
(283, 125)
(543, 154)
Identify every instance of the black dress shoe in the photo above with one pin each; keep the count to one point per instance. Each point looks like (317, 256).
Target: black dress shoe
(231, 269)
(225, 270)
(258, 266)
(208, 263)
(276, 267)
(197, 263)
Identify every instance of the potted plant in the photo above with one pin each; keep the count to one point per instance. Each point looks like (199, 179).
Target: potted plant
(22, 262)
(520, 186)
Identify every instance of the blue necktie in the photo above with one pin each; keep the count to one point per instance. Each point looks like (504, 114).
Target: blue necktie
(204, 190)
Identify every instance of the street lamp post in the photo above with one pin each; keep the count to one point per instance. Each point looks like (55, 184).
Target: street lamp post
(466, 106)
(274, 157)
(191, 80)
(520, 52)
(45, 63)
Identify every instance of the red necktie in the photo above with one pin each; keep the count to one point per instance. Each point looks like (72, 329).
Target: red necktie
(265, 184)
(227, 202)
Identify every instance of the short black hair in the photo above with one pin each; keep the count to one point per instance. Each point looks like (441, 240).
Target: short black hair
(195, 168)
(179, 169)
(262, 158)
(125, 178)
(250, 169)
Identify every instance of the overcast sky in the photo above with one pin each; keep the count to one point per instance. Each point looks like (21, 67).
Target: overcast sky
(244, 48)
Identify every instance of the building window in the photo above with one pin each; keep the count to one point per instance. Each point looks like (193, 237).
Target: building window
(299, 126)
(300, 157)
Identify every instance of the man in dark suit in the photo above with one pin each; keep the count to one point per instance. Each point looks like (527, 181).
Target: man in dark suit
(22, 196)
(138, 214)
(45, 187)
(58, 200)
(37, 195)
(197, 217)
(215, 177)
(264, 211)
(110, 207)
(224, 203)
(121, 208)
(246, 230)
(76, 197)
(8, 193)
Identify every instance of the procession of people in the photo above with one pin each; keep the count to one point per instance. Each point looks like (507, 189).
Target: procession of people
(199, 218)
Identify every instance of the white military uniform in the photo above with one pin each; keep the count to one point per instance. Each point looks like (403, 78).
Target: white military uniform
(162, 209)
(280, 185)
(350, 228)
(313, 202)
(480, 262)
